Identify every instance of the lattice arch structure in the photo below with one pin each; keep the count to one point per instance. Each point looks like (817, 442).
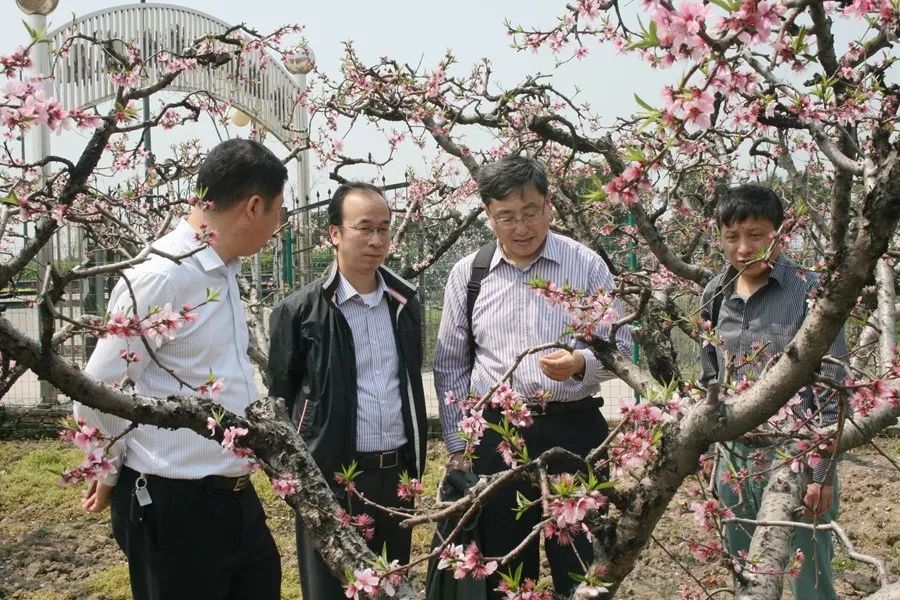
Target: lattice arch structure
(81, 80)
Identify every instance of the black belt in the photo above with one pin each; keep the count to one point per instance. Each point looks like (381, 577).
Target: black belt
(379, 460)
(556, 408)
(217, 483)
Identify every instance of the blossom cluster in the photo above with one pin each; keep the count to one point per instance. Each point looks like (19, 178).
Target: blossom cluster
(92, 441)
(466, 561)
(586, 311)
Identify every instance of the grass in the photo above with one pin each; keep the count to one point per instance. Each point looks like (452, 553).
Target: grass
(111, 583)
(31, 478)
(843, 563)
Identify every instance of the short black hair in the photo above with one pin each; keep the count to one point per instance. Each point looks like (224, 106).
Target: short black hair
(336, 204)
(237, 169)
(738, 203)
(512, 172)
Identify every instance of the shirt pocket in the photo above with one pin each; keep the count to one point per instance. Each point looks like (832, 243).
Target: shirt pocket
(780, 336)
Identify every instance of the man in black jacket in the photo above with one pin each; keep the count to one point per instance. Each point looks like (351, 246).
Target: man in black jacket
(346, 355)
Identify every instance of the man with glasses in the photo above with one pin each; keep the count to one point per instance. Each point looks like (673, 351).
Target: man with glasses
(508, 317)
(346, 355)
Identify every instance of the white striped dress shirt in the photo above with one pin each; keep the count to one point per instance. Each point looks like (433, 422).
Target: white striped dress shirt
(216, 342)
(379, 416)
(508, 317)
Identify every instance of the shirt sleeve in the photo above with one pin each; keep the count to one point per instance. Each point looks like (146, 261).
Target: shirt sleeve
(827, 402)
(594, 373)
(452, 367)
(106, 362)
(286, 362)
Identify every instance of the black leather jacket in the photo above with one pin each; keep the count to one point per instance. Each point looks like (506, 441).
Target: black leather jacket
(312, 366)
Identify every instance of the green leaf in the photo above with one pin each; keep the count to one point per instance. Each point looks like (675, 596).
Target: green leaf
(32, 32)
(522, 504)
(643, 104)
(652, 32)
(633, 154)
(723, 4)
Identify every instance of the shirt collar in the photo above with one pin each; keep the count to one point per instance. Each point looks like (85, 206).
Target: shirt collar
(550, 251)
(208, 258)
(346, 291)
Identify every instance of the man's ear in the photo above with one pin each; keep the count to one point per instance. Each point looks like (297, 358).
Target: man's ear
(333, 234)
(255, 206)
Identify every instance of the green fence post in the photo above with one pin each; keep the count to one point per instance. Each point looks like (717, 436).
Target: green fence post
(287, 241)
(633, 266)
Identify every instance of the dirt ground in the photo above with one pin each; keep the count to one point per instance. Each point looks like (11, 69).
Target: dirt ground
(50, 550)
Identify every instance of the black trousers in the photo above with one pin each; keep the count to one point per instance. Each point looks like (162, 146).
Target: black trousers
(578, 431)
(193, 542)
(379, 485)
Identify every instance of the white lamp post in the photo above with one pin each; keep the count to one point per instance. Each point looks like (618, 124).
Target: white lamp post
(37, 7)
(38, 141)
(299, 66)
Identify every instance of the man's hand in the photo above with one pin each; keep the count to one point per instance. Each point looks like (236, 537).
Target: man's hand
(817, 500)
(96, 498)
(706, 466)
(561, 364)
(458, 461)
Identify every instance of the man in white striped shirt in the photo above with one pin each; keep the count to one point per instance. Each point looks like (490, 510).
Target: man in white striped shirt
(346, 355)
(183, 510)
(507, 318)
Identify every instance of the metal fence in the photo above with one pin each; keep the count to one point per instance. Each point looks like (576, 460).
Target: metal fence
(16, 302)
(285, 265)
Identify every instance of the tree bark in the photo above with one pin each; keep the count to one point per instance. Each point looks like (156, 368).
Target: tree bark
(772, 545)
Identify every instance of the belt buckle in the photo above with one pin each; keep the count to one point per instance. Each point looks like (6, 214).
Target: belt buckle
(240, 483)
(381, 456)
(538, 409)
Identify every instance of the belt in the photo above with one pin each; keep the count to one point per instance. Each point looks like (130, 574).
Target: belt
(379, 460)
(225, 484)
(556, 408)
(217, 483)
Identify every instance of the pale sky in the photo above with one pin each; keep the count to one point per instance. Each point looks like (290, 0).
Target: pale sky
(411, 32)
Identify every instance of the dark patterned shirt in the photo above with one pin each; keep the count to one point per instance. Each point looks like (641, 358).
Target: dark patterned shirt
(768, 319)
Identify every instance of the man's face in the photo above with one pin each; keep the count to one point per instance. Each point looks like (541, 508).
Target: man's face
(363, 238)
(263, 222)
(521, 223)
(747, 240)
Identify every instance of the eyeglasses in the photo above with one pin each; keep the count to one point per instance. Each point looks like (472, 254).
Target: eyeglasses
(528, 216)
(366, 231)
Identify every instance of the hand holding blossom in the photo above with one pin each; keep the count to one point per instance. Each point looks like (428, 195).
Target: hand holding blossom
(561, 364)
(96, 498)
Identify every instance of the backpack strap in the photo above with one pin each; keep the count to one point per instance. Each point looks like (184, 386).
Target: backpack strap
(480, 267)
(717, 304)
